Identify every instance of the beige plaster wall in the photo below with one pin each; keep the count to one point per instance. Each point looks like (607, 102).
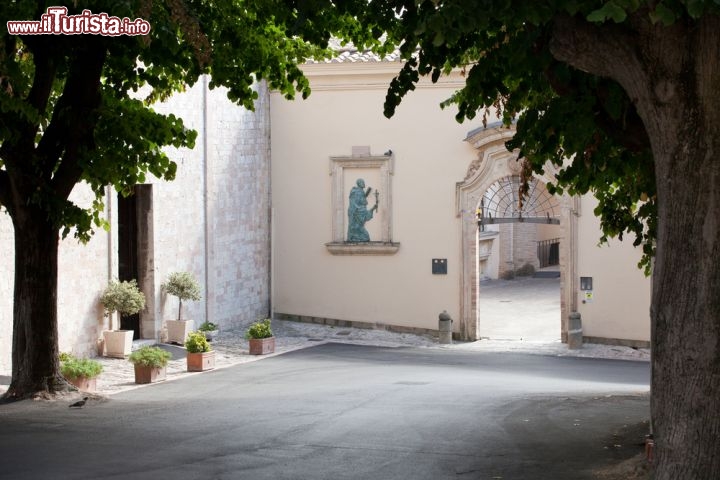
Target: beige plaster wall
(345, 110)
(620, 308)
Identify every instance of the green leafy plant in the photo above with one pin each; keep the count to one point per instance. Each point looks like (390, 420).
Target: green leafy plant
(150, 357)
(73, 367)
(259, 329)
(65, 356)
(207, 326)
(184, 286)
(197, 343)
(123, 297)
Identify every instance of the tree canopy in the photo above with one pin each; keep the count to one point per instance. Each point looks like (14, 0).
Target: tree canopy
(79, 107)
(626, 89)
(623, 95)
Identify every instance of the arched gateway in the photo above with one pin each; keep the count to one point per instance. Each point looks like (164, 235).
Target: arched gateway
(490, 188)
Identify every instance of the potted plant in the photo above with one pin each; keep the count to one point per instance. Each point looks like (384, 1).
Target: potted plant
(150, 364)
(261, 338)
(81, 372)
(184, 286)
(209, 329)
(200, 355)
(125, 298)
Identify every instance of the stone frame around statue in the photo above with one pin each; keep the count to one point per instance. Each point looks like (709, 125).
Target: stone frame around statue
(339, 165)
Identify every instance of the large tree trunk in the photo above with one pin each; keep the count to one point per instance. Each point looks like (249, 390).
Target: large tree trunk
(672, 75)
(35, 366)
(686, 295)
(685, 397)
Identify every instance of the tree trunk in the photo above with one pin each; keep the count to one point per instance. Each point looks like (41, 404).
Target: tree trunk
(685, 400)
(672, 74)
(35, 365)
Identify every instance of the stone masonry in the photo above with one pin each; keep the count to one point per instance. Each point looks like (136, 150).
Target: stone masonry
(213, 220)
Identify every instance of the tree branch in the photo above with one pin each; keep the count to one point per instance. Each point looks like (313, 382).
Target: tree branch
(647, 61)
(77, 115)
(609, 50)
(630, 132)
(16, 152)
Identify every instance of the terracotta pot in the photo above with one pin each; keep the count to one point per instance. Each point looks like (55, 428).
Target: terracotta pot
(199, 362)
(261, 346)
(145, 374)
(85, 384)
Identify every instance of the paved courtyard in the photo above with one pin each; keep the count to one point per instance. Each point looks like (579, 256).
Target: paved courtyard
(524, 308)
(519, 316)
(339, 411)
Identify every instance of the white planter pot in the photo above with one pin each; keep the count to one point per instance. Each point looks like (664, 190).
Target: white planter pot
(178, 330)
(118, 343)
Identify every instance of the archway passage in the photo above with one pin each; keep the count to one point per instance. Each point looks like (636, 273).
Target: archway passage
(503, 203)
(519, 289)
(488, 197)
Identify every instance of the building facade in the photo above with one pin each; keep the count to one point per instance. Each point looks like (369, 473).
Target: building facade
(425, 253)
(213, 220)
(259, 214)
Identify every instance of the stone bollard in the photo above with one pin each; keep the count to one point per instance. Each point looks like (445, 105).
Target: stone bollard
(575, 332)
(445, 328)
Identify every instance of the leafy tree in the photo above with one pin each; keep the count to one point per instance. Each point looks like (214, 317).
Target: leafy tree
(629, 90)
(626, 88)
(77, 109)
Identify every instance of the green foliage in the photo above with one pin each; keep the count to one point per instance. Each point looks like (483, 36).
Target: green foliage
(65, 356)
(123, 297)
(197, 343)
(585, 125)
(150, 357)
(260, 329)
(183, 285)
(78, 108)
(73, 367)
(207, 326)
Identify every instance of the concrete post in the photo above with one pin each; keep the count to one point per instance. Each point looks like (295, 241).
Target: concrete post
(445, 328)
(575, 332)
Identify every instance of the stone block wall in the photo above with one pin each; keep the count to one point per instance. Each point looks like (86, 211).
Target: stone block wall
(238, 211)
(82, 276)
(7, 259)
(213, 220)
(518, 248)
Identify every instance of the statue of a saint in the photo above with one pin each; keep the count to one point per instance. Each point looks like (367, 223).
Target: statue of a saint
(358, 213)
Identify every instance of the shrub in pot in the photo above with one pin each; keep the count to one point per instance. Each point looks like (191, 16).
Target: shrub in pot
(261, 338)
(81, 372)
(184, 286)
(209, 329)
(150, 364)
(123, 298)
(200, 355)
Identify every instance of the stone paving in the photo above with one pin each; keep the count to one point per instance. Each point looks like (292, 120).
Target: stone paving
(232, 349)
(523, 327)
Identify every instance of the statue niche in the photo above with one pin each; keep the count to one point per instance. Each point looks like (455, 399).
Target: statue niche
(358, 213)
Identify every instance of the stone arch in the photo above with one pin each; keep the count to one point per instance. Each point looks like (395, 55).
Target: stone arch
(495, 162)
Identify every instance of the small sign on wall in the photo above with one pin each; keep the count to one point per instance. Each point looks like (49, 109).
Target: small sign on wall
(587, 296)
(439, 266)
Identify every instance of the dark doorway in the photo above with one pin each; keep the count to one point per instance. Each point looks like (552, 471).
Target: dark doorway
(128, 253)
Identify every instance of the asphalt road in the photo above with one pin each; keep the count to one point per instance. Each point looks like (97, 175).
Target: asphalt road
(345, 412)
